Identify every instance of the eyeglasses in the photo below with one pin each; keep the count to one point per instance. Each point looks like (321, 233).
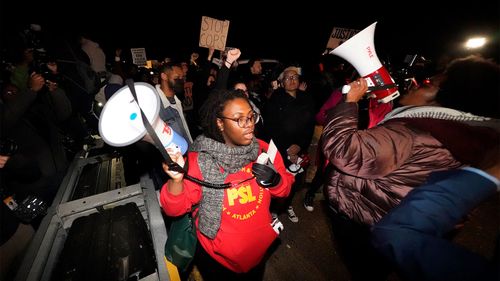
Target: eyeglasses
(245, 121)
(291, 78)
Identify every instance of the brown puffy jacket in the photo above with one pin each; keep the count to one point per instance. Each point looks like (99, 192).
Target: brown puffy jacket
(376, 168)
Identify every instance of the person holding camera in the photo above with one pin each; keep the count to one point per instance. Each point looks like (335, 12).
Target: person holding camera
(14, 235)
(32, 164)
(31, 119)
(16, 230)
(233, 225)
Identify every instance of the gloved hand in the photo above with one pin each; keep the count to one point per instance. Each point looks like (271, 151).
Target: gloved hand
(266, 175)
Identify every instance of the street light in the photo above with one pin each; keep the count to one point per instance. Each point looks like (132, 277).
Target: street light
(475, 43)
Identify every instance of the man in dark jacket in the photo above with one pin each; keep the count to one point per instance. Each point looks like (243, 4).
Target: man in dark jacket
(289, 122)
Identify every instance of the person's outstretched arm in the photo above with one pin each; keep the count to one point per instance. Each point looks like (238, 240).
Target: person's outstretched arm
(411, 235)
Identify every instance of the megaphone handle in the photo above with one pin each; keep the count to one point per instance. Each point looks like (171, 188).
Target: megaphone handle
(346, 89)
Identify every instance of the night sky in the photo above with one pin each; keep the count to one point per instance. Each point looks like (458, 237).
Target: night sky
(289, 33)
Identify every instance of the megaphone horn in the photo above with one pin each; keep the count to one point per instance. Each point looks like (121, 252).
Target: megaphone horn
(120, 123)
(359, 51)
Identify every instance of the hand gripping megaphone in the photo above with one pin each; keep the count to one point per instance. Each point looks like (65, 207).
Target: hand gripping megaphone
(121, 124)
(360, 52)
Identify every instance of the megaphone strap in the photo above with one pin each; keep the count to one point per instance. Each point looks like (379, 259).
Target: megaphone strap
(173, 166)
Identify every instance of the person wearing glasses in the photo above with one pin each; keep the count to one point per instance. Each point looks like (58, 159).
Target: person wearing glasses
(233, 224)
(289, 115)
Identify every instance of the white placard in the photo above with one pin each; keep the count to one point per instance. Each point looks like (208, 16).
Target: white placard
(271, 151)
(139, 56)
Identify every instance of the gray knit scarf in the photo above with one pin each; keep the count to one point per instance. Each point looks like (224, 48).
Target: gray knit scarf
(212, 156)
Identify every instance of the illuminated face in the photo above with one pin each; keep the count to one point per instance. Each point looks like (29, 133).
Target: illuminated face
(233, 133)
(185, 68)
(175, 74)
(290, 80)
(256, 67)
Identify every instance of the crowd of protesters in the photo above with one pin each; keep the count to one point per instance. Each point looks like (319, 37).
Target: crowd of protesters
(49, 97)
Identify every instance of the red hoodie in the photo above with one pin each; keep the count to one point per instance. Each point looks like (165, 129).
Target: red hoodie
(245, 231)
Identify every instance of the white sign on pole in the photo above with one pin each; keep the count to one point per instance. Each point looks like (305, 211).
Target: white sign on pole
(139, 56)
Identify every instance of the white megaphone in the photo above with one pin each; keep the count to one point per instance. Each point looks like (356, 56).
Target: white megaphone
(120, 123)
(360, 52)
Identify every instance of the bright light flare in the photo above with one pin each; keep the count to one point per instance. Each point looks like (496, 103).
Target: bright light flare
(474, 43)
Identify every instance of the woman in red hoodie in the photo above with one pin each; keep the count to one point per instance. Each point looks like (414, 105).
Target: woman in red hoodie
(233, 225)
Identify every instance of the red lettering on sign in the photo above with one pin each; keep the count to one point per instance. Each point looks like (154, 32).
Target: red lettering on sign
(370, 52)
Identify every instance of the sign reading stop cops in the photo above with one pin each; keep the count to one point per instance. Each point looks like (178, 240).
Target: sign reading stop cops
(213, 33)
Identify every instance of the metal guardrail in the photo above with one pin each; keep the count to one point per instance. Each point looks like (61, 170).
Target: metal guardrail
(47, 244)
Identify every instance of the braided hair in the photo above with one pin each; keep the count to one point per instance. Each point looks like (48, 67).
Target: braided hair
(212, 109)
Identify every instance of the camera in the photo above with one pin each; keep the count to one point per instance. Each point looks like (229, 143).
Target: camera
(32, 37)
(47, 74)
(302, 162)
(30, 208)
(413, 69)
(27, 209)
